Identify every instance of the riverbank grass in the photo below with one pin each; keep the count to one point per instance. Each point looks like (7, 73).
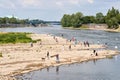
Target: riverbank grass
(15, 38)
(1, 54)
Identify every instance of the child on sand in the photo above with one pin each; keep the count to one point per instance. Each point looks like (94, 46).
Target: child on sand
(31, 44)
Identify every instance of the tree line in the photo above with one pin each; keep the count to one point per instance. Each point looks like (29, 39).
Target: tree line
(13, 20)
(112, 19)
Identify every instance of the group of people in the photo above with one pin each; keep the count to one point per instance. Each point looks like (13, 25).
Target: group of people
(86, 43)
(56, 56)
(95, 53)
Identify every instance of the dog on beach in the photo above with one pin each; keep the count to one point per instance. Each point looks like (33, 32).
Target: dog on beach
(43, 59)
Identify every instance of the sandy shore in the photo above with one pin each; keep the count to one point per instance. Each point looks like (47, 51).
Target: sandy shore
(22, 58)
(102, 29)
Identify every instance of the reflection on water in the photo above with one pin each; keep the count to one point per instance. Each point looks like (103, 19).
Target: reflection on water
(94, 61)
(47, 69)
(57, 70)
(104, 69)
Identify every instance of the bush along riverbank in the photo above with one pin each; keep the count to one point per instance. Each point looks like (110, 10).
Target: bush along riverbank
(15, 38)
(76, 20)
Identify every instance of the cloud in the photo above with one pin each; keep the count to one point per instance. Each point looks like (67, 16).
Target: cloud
(54, 9)
(91, 1)
(59, 3)
(7, 4)
(40, 4)
(30, 3)
(74, 1)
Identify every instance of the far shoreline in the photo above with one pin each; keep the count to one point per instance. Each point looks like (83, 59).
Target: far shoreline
(82, 28)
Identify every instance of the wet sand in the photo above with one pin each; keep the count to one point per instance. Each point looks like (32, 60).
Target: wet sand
(22, 58)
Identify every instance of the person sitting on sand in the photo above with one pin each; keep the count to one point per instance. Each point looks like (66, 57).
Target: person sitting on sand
(96, 54)
(69, 47)
(31, 44)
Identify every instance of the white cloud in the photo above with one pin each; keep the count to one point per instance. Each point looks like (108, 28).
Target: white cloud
(90, 1)
(40, 4)
(48, 8)
(7, 4)
(59, 3)
(74, 1)
(30, 3)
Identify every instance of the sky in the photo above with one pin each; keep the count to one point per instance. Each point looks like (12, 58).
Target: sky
(53, 10)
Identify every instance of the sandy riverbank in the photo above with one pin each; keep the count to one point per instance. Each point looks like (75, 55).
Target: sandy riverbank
(87, 28)
(22, 58)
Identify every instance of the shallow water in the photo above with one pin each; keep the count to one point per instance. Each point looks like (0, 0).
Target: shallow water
(105, 69)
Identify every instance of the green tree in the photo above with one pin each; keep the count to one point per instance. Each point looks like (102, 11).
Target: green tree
(66, 20)
(100, 18)
(112, 18)
(4, 20)
(74, 20)
(112, 23)
(13, 20)
(118, 18)
(77, 19)
(88, 19)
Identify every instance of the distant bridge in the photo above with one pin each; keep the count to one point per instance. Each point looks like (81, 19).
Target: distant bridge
(53, 22)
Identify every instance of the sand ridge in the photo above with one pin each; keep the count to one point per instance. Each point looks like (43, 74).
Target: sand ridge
(22, 58)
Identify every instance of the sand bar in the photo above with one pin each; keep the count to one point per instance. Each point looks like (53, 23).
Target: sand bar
(22, 58)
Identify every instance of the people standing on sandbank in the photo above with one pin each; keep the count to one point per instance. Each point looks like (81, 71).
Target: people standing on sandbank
(62, 35)
(95, 53)
(48, 55)
(57, 58)
(86, 43)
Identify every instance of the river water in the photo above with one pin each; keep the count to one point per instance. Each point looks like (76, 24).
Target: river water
(105, 69)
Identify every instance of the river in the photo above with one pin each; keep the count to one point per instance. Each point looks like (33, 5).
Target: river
(105, 69)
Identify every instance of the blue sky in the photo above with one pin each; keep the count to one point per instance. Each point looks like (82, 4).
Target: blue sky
(54, 9)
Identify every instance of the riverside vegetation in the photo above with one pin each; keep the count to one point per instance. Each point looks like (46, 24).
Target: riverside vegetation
(16, 22)
(15, 38)
(1, 54)
(112, 19)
